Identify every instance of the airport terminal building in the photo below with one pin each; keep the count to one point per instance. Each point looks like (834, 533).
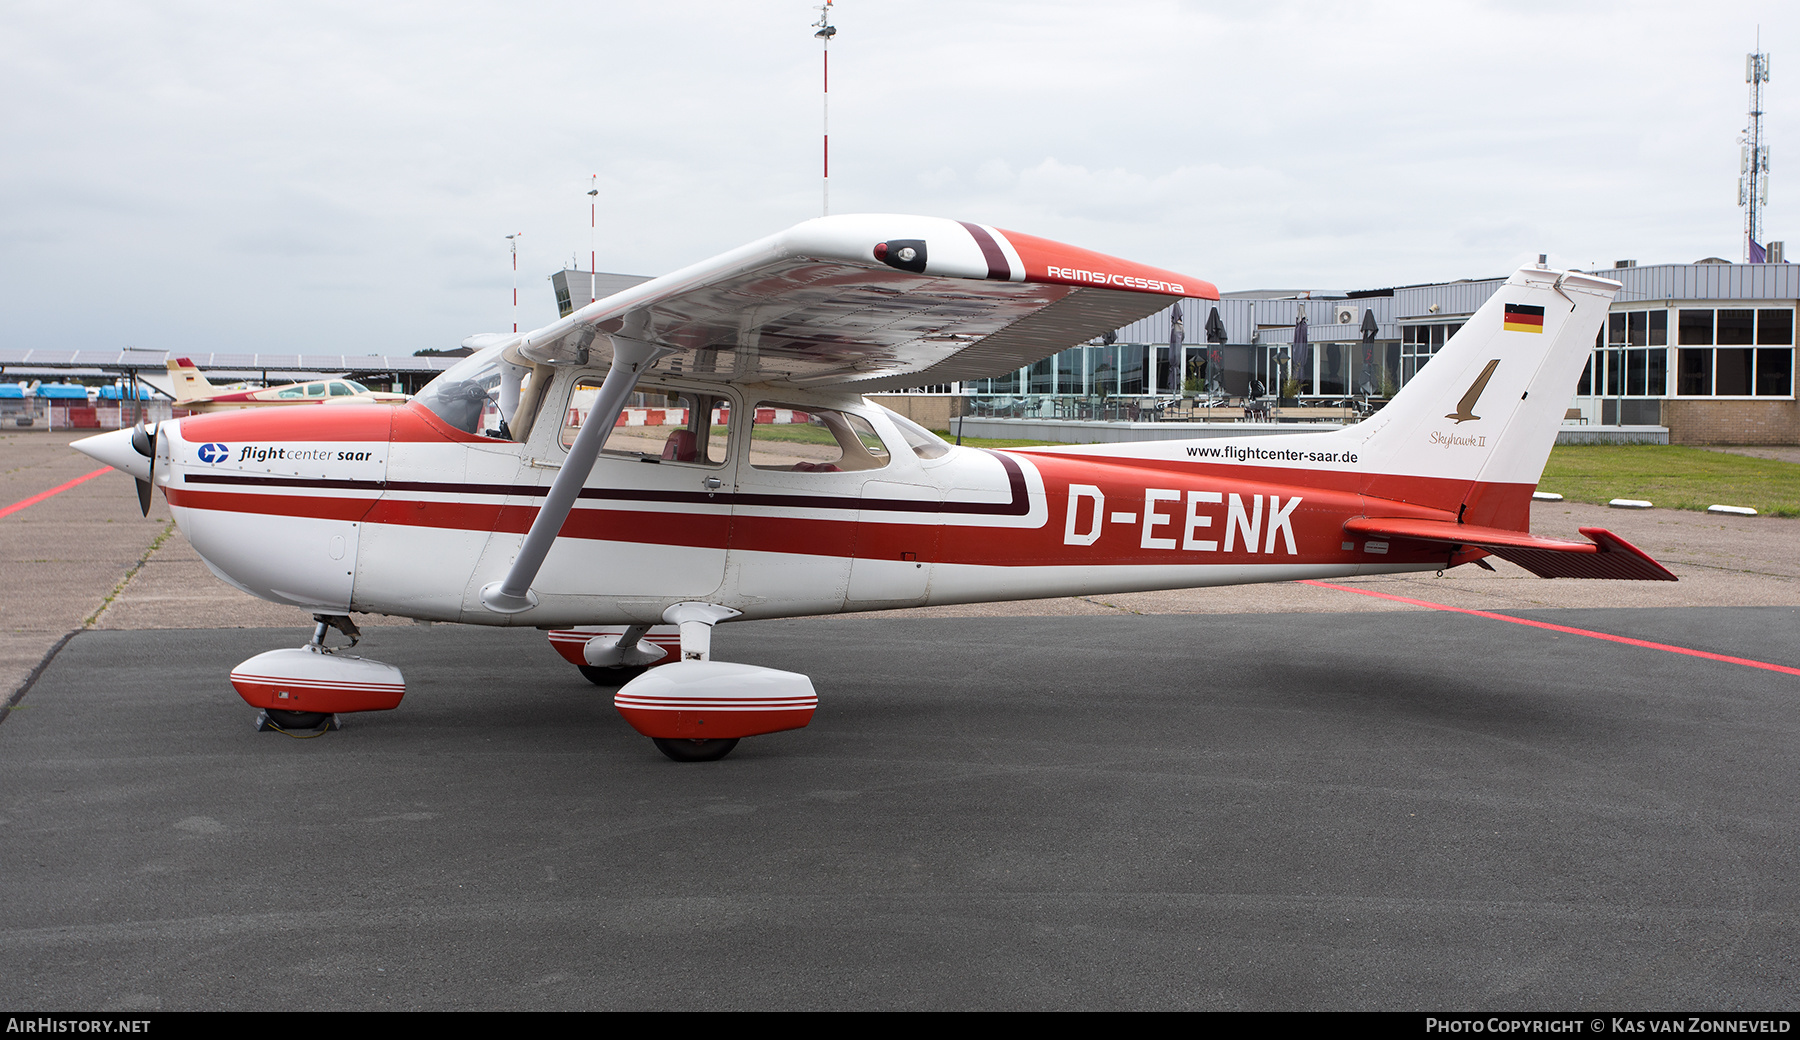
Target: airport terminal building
(1704, 349)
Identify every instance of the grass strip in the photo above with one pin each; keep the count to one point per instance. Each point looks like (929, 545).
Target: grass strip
(168, 529)
(1673, 477)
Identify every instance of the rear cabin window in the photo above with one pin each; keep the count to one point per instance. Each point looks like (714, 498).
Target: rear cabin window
(925, 444)
(813, 440)
(678, 426)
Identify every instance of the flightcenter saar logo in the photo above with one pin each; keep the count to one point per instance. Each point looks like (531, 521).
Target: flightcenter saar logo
(214, 453)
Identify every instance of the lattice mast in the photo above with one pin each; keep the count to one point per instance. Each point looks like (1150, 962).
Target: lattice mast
(1753, 156)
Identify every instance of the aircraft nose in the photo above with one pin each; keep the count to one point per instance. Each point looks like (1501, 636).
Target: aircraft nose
(116, 450)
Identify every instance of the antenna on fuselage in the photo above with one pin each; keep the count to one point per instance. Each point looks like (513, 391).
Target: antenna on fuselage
(824, 35)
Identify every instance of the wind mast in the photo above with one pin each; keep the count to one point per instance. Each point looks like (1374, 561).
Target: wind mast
(593, 224)
(513, 240)
(824, 35)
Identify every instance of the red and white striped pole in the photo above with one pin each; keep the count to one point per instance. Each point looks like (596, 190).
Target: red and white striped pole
(593, 225)
(514, 240)
(825, 33)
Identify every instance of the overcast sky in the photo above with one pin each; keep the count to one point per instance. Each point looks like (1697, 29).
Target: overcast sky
(341, 176)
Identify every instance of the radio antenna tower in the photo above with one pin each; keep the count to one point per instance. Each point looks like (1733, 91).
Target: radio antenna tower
(824, 35)
(1753, 162)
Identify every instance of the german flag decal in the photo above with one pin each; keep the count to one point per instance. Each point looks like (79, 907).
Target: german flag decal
(1523, 318)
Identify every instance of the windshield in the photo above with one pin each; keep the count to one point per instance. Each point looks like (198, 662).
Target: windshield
(467, 395)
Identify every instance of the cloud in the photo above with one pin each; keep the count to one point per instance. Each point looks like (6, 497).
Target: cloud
(250, 166)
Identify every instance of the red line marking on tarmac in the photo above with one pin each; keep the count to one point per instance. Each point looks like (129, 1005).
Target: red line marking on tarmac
(40, 496)
(1628, 641)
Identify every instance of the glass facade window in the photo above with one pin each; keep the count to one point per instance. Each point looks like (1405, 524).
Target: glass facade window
(1775, 373)
(1333, 369)
(1630, 355)
(1736, 328)
(1696, 328)
(1418, 343)
(1736, 352)
(1774, 327)
(1732, 371)
(1695, 375)
(1069, 371)
(1132, 376)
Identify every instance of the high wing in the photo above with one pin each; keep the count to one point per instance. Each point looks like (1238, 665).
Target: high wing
(867, 302)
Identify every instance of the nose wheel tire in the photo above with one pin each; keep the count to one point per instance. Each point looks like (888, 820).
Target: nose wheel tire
(298, 720)
(682, 750)
(611, 676)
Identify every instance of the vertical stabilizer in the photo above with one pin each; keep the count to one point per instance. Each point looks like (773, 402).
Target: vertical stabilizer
(189, 383)
(1479, 420)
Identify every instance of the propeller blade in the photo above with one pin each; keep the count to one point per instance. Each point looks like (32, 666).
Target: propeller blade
(143, 441)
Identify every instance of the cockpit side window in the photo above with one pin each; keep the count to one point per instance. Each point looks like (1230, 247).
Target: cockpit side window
(658, 425)
(925, 444)
(813, 440)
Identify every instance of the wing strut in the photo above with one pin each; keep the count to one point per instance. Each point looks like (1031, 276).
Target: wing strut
(512, 594)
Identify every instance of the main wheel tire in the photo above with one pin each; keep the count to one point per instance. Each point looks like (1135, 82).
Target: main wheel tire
(297, 719)
(612, 676)
(682, 750)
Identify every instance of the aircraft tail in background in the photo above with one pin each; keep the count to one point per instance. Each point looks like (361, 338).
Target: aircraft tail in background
(188, 382)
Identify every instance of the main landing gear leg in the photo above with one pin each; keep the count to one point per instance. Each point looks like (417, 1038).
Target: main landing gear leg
(696, 621)
(616, 660)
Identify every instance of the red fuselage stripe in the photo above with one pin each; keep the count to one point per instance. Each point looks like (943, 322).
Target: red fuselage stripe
(1628, 641)
(59, 489)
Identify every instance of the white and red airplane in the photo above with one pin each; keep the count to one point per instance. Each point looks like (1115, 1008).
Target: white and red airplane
(514, 491)
(195, 392)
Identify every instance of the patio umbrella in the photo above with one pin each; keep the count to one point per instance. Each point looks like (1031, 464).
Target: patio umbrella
(1215, 355)
(1177, 349)
(1302, 355)
(1368, 351)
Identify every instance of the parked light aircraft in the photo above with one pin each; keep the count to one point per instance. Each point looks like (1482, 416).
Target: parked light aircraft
(195, 392)
(516, 489)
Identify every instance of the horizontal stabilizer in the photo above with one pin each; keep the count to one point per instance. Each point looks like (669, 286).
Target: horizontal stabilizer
(1605, 556)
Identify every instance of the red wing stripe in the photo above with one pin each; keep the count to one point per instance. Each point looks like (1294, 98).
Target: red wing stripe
(1628, 641)
(998, 268)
